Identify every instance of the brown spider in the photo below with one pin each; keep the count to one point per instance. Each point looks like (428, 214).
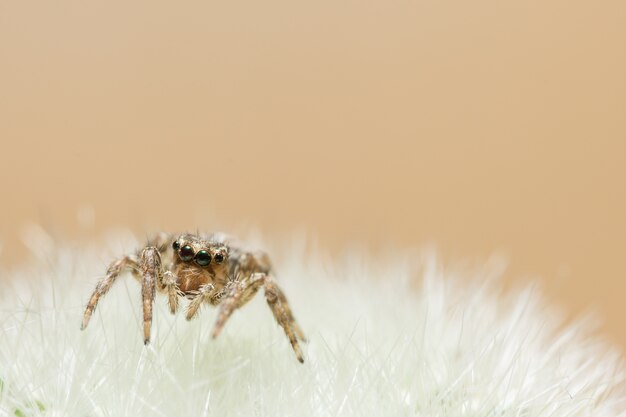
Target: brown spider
(203, 269)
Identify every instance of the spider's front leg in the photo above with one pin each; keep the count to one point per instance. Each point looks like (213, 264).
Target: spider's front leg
(151, 271)
(242, 291)
(161, 242)
(237, 293)
(147, 267)
(282, 313)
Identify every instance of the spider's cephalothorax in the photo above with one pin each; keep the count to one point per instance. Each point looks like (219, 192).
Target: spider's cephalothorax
(207, 269)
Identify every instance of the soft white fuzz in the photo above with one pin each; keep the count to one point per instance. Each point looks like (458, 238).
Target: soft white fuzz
(400, 335)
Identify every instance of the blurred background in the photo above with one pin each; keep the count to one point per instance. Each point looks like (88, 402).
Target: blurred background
(479, 127)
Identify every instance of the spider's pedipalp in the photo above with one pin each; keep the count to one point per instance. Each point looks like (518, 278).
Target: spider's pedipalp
(173, 293)
(207, 292)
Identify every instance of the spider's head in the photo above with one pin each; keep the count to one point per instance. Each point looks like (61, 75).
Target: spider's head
(192, 249)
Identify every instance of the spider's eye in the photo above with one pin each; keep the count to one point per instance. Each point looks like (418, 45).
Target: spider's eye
(219, 258)
(203, 258)
(186, 253)
(176, 245)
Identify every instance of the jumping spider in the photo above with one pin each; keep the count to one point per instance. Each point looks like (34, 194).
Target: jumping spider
(202, 269)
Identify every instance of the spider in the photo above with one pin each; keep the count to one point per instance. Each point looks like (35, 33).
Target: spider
(208, 269)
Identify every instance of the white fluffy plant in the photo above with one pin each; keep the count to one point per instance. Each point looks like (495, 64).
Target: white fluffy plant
(401, 335)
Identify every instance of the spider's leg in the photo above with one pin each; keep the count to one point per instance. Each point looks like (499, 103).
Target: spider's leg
(282, 313)
(286, 308)
(103, 286)
(238, 293)
(173, 293)
(206, 292)
(150, 265)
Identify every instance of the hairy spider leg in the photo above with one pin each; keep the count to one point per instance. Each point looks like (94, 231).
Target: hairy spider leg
(127, 263)
(167, 281)
(242, 291)
(151, 273)
(238, 293)
(282, 313)
(285, 306)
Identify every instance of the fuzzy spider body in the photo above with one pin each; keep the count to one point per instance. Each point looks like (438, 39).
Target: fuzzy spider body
(205, 269)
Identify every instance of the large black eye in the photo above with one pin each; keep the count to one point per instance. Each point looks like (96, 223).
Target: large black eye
(219, 258)
(176, 245)
(203, 258)
(186, 253)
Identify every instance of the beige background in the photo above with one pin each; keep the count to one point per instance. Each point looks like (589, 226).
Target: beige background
(480, 126)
